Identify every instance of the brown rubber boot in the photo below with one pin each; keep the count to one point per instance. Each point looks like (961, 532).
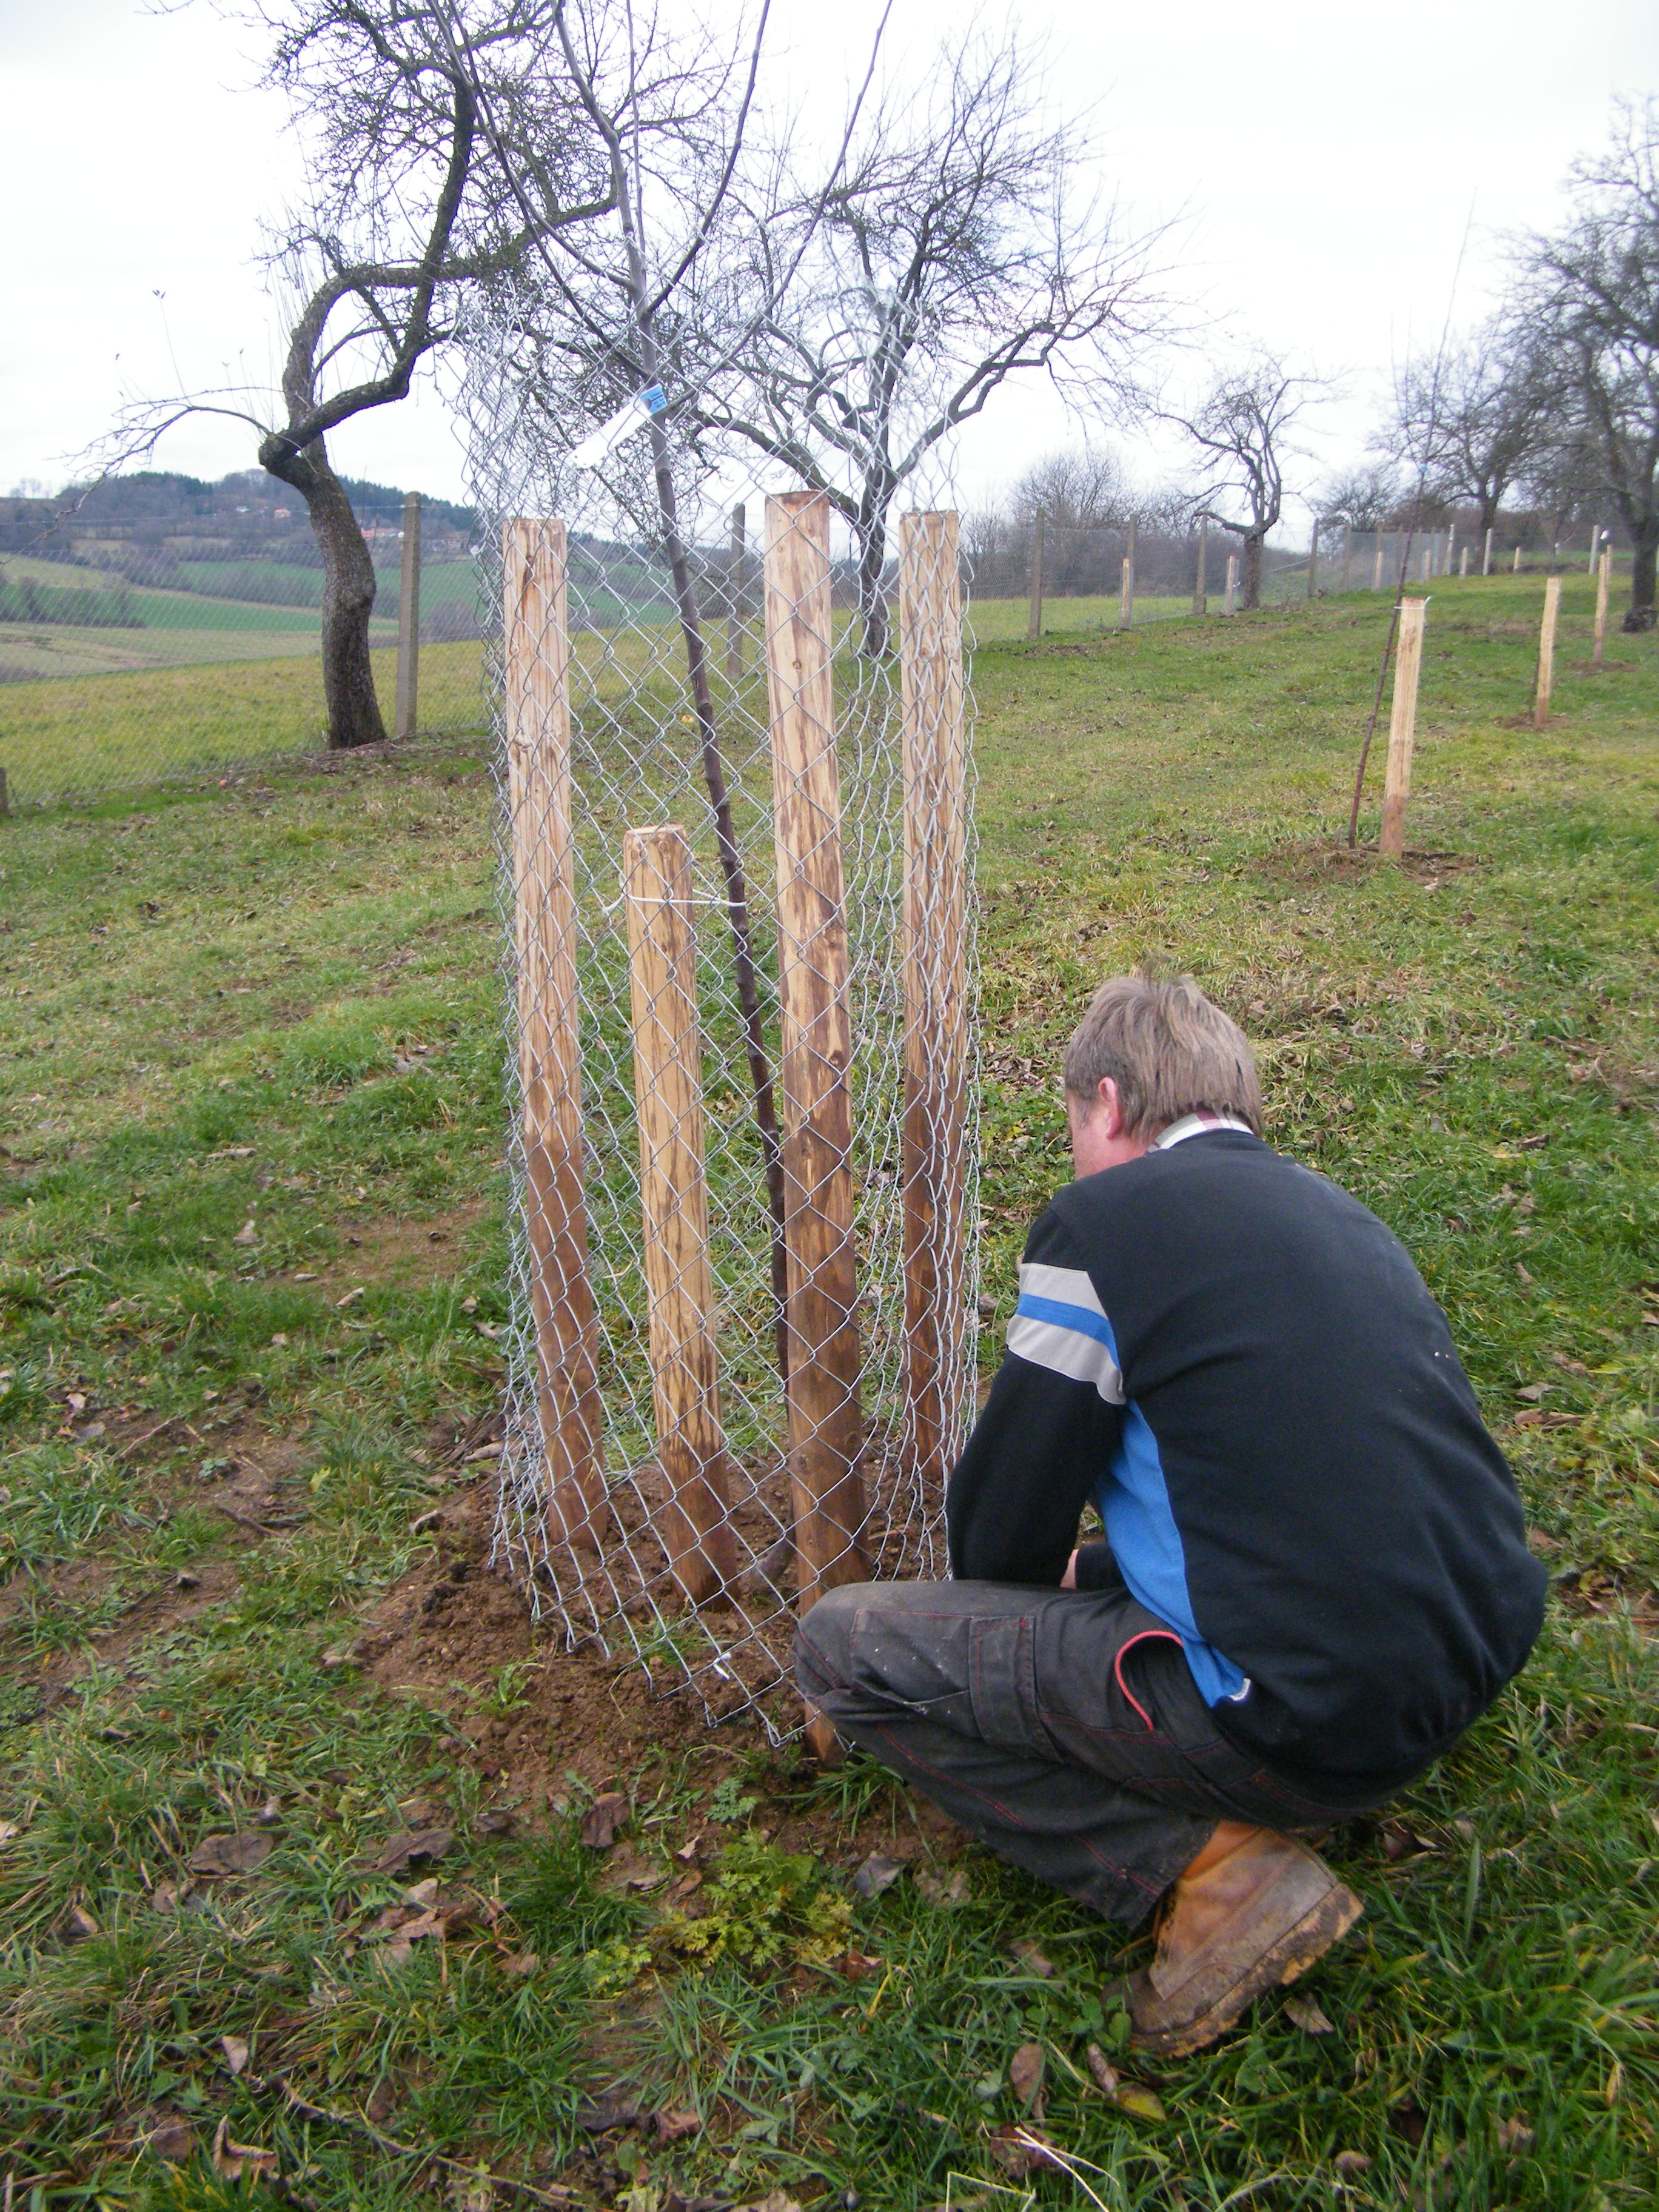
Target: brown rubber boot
(1260, 1915)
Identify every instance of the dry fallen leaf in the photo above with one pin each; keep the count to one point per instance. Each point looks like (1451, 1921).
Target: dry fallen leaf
(1025, 2077)
(1105, 2074)
(9, 1830)
(1019, 2151)
(602, 1819)
(857, 1964)
(876, 1874)
(247, 1233)
(777, 2202)
(231, 2160)
(673, 2125)
(1514, 2137)
(498, 1820)
(1134, 2097)
(424, 1895)
(1308, 2016)
(171, 2139)
(237, 1853)
(1034, 1961)
(1400, 1842)
(1349, 2164)
(78, 1924)
(409, 1845)
(689, 1851)
(953, 1890)
(235, 2050)
(521, 1962)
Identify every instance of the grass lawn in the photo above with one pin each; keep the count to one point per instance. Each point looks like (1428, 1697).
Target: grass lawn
(289, 1852)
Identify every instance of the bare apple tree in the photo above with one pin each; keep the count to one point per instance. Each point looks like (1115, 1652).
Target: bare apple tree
(1480, 419)
(411, 201)
(1243, 430)
(1591, 294)
(954, 249)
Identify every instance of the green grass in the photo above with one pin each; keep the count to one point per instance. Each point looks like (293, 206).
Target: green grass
(202, 1006)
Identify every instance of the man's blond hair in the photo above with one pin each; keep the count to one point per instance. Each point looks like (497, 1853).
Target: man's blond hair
(1168, 1050)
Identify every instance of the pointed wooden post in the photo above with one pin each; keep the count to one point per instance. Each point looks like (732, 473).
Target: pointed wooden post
(1514, 566)
(1540, 705)
(936, 1047)
(1125, 604)
(1485, 558)
(409, 620)
(1463, 562)
(1451, 547)
(825, 1425)
(1595, 547)
(1313, 560)
(1428, 561)
(538, 700)
(1033, 618)
(1603, 578)
(1347, 552)
(662, 963)
(734, 598)
(1377, 574)
(1402, 728)
(1200, 580)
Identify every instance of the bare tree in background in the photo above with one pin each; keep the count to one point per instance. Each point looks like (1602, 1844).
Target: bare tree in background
(1366, 498)
(1591, 292)
(409, 203)
(952, 253)
(1242, 431)
(1077, 490)
(1482, 427)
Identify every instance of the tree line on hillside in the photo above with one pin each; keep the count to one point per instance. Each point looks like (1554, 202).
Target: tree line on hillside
(577, 209)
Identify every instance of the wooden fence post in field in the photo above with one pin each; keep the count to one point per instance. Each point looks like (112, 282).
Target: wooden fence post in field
(936, 1045)
(735, 599)
(1603, 577)
(662, 963)
(1595, 547)
(1485, 558)
(1402, 728)
(409, 619)
(1428, 562)
(1463, 562)
(537, 702)
(1125, 600)
(1313, 559)
(825, 1427)
(1034, 620)
(1200, 578)
(1231, 600)
(1347, 552)
(1514, 566)
(1451, 547)
(1377, 572)
(1540, 705)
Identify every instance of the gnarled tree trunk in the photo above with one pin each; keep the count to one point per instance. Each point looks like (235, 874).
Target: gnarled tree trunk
(353, 710)
(1252, 539)
(1640, 613)
(873, 606)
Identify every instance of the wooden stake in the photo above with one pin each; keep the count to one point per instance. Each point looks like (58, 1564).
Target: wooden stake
(1347, 551)
(1402, 728)
(1428, 561)
(1485, 558)
(1376, 573)
(1313, 560)
(1126, 597)
(674, 1205)
(550, 1052)
(1200, 580)
(1595, 547)
(935, 989)
(1034, 620)
(1451, 547)
(1515, 567)
(734, 598)
(409, 619)
(1463, 562)
(1540, 706)
(825, 1427)
(1232, 584)
(1603, 578)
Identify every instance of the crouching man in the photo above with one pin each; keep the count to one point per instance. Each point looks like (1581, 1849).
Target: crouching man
(1314, 1573)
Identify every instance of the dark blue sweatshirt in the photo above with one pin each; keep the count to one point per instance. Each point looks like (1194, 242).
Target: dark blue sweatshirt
(1244, 1369)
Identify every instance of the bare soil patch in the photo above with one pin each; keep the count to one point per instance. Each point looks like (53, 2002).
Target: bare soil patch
(1327, 859)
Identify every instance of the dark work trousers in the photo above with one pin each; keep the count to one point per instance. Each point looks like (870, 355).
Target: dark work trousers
(1060, 1727)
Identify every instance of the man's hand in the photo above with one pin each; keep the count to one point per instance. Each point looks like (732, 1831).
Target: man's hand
(1068, 1580)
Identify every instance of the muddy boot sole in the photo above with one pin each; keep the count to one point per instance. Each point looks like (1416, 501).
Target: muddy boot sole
(1291, 1954)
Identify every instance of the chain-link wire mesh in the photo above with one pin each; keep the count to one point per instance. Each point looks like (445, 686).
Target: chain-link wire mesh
(737, 852)
(158, 628)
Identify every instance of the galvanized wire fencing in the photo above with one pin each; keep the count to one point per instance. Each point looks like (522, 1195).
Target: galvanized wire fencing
(159, 628)
(737, 857)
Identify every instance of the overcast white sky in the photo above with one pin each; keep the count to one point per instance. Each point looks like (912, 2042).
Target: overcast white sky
(1324, 160)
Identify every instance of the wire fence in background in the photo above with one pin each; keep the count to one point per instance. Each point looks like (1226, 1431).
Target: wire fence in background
(737, 860)
(160, 628)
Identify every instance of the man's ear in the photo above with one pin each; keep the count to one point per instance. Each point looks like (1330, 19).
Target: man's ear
(1110, 1107)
